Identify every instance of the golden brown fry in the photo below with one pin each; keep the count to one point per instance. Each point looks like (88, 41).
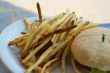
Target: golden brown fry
(53, 66)
(39, 12)
(48, 63)
(90, 26)
(29, 64)
(74, 66)
(42, 58)
(25, 51)
(36, 50)
(19, 39)
(27, 23)
(55, 38)
(33, 59)
(39, 35)
(60, 30)
(62, 22)
(23, 32)
(12, 43)
(38, 43)
(21, 44)
(23, 37)
(61, 46)
(63, 35)
(28, 44)
(63, 67)
(47, 22)
(59, 53)
(75, 32)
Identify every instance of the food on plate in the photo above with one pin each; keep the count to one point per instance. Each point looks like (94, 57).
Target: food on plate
(91, 51)
(46, 43)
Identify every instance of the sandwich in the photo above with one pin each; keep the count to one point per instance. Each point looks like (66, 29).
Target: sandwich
(91, 51)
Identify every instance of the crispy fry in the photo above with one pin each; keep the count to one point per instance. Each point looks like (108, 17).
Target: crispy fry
(42, 20)
(36, 50)
(42, 58)
(50, 68)
(27, 23)
(63, 35)
(62, 21)
(61, 30)
(48, 42)
(40, 34)
(33, 27)
(21, 44)
(75, 32)
(47, 64)
(23, 32)
(90, 26)
(33, 59)
(74, 66)
(28, 44)
(59, 53)
(64, 57)
(61, 46)
(39, 12)
(38, 68)
(25, 51)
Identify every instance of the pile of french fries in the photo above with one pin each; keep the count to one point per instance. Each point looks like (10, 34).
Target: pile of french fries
(46, 45)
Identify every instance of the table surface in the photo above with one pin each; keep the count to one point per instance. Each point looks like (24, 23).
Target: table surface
(12, 10)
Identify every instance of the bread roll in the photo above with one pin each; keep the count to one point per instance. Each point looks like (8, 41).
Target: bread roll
(92, 48)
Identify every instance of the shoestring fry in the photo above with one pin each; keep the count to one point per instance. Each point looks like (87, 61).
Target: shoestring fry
(57, 32)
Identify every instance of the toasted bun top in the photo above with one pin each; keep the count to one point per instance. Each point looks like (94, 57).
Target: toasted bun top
(92, 48)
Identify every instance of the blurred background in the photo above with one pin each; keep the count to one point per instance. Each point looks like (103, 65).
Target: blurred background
(12, 10)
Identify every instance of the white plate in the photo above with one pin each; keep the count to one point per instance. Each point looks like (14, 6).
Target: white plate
(10, 55)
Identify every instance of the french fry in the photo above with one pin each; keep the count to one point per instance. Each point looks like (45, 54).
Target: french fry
(74, 66)
(33, 59)
(39, 12)
(27, 23)
(29, 64)
(50, 68)
(55, 38)
(33, 27)
(42, 20)
(48, 63)
(75, 32)
(25, 51)
(49, 20)
(59, 53)
(21, 44)
(27, 46)
(23, 32)
(48, 42)
(41, 59)
(36, 50)
(61, 46)
(40, 34)
(63, 67)
(90, 26)
(60, 31)
(57, 23)
(62, 36)
(38, 43)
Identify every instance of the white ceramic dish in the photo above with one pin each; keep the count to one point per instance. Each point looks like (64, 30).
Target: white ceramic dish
(10, 55)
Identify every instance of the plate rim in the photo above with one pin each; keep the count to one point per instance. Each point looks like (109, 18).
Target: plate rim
(2, 54)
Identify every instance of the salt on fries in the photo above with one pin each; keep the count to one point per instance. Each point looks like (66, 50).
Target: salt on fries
(45, 46)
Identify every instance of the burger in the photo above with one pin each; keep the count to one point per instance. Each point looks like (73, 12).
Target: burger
(91, 51)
